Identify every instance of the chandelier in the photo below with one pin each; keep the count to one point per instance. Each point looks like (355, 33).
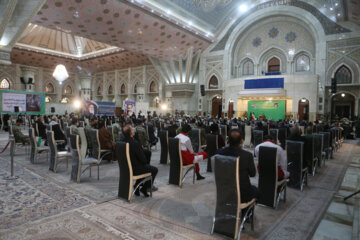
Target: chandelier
(60, 73)
(209, 5)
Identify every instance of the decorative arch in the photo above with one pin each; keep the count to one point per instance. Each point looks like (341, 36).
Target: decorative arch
(343, 75)
(110, 90)
(68, 90)
(49, 88)
(273, 64)
(303, 62)
(99, 91)
(123, 88)
(65, 100)
(215, 73)
(247, 67)
(135, 88)
(5, 83)
(47, 99)
(213, 82)
(269, 54)
(350, 64)
(153, 87)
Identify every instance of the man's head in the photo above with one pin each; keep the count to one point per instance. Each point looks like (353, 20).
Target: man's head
(19, 121)
(128, 131)
(186, 128)
(214, 128)
(268, 138)
(101, 124)
(235, 139)
(74, 121)
(295, 132)
(54, 118)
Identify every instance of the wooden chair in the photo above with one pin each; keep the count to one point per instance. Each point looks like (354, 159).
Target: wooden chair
(55, 155)
(34, 149)
(78, 161)
(229, 220)
(176, 175)
(127, 178)
(195, 138)
(83, 141)
(269, 185)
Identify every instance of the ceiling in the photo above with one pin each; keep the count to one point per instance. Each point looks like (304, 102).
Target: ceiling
(101, 35)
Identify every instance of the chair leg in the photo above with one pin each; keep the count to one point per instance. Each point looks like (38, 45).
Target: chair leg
(252, 218)
(90, 171)
(98, 168)
(151, 185)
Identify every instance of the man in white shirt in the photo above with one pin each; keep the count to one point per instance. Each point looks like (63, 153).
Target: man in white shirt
(187, 153)
(282, 160)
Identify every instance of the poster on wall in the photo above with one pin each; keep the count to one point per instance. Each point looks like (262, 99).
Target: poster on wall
(274, 110)
(129, 107)
(27, 103)
(99, 108)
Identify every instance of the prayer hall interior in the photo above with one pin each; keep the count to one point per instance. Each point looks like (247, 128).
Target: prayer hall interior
(180, 119)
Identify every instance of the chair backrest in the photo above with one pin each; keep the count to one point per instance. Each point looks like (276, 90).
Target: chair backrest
(274, 133)
(223, 131)
(33, 145)
(294, 152)
(83, 141)
(122, 151)
(176, 163)
(36, 129)
(81, 124)
(195, 139)
(212, 144)
(282, 135)
(247, 135)
(94, 134)
(318, 145)
(53, 149)
(268, 175)
(326, 142)
(164, 156)
(228, 197)
(76, 158)
(309, 151)
(302, 130)
(111, 130)
(258, 137)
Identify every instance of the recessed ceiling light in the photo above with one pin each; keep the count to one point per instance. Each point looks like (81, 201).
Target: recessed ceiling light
(243, 8)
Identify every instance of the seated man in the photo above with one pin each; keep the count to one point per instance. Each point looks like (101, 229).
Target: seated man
(58, 134)
(152, 138)
(18, 135)
(282, 160)
(187, 152)
(74, 126)
(141, 135)
(41, 128)
(116, 130)
(246, 165)
(214, 129)
(105, 137)
(139, 161)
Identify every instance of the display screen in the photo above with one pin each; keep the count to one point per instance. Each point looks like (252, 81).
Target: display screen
(274, 110)
(29, 103)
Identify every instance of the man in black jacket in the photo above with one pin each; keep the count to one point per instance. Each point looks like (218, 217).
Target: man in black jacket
(140, 163)
(247, 165)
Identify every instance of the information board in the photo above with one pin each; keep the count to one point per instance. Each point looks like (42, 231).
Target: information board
(271, 109)
(25, 102)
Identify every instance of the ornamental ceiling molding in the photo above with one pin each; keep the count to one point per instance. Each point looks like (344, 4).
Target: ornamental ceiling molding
(329, 26)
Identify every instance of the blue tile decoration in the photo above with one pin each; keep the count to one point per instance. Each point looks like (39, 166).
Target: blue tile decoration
(264, 83)
(273, 33)
(290, 37)
(256, 42)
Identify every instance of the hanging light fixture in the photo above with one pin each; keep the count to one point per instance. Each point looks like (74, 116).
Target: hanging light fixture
(60, 73)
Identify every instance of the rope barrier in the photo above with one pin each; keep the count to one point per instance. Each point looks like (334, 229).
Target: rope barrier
(5, 147)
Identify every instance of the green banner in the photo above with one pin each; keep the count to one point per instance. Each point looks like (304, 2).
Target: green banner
(271, 109)
(25, 102)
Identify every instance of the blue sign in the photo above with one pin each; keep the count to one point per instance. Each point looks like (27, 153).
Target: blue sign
(264, 83)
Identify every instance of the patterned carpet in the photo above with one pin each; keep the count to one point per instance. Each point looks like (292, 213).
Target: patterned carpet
(46, 205)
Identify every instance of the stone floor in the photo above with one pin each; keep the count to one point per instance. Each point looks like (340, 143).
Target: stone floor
(41, 204)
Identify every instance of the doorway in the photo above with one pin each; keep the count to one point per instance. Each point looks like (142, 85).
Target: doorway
(216, 108)
(342, 106)
(304, 109)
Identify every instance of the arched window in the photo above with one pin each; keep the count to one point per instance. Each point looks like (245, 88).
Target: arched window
(274, 65)
(123, 89)
(65, 100)
(302, 63)
(68, 90)
(99, 91)
(135, 88)
(4, 84)
(49, 88)
(47, 99)
(110, 90)
(343, 75)
(213, 83)
(152, 87)
(248, 68)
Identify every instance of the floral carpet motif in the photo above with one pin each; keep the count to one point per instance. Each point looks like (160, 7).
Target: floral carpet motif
(31, 197)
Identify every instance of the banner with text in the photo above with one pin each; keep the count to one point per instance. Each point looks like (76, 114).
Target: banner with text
(274, 110)
(23, 102)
